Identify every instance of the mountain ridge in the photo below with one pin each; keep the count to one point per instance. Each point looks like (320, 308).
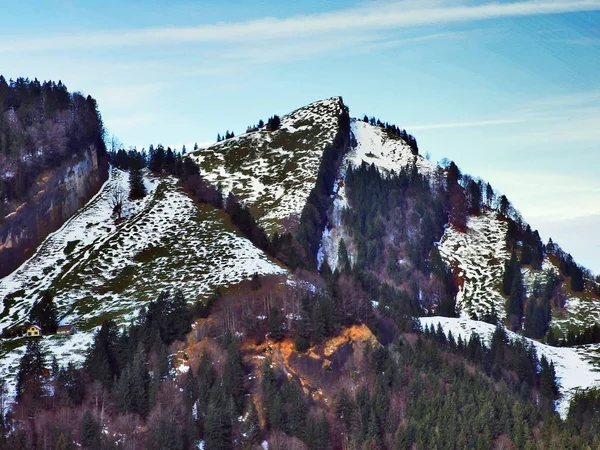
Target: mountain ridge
(418, 239)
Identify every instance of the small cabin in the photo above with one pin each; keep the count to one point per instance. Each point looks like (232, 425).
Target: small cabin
(66, 329)
(34, 331)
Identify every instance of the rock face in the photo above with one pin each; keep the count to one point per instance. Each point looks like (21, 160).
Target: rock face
(54, 198)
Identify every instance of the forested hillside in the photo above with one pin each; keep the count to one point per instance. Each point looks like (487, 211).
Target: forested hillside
(219, 316)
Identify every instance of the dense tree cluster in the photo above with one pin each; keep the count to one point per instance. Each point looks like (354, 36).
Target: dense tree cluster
(42, 125)
(538, 311)
(227, 135)
(273, 123)
(532, 249)
(568, 267)
(406, 206)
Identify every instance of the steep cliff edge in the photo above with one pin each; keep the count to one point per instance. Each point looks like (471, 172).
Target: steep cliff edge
(52, 161)
(56, 195)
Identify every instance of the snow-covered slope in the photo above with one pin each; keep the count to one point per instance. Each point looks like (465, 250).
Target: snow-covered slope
(274, 171)
(100, 268)
(479, 255)
(582, 309)
(96, 265)
(376, 146)
(574, 369)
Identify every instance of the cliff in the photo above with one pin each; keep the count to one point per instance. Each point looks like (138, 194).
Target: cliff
(55, 196)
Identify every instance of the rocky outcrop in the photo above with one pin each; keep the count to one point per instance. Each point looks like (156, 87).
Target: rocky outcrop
(54, 198)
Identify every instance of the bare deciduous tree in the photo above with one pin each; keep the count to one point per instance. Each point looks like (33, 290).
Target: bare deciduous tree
(116, 200)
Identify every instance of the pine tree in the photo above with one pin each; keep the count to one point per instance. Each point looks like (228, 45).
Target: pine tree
(207, 377)
(217, 426)
(233, 376)
(30, 375)
(577, 282)
(137, 188)
(345, 408)
(301, 341)
(168, 435)
(101, 360)
(44, 313)
(190, 390)
(90, 432)
(510, 268)
(515, 302)
(504, 206)
(343, 258)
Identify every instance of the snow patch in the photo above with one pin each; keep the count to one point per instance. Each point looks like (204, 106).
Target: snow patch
(574, 369)
(479, 256)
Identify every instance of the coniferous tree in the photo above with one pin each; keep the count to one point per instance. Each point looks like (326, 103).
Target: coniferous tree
(90, 432)
(217, 426)
(167, 435)
(510, 269)
(190, 390)
(301, 339)
(515, 301)
(577, 282)
(343, 264)
(30, 375)
(137, 188)
(157, 159)
(233, 376)
(102, 361)
(345, 408)
(504, 206)
(44, 314)
(170, 161)
(70, 386)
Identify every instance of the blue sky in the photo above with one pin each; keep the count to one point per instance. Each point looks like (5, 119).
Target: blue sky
(509, 90)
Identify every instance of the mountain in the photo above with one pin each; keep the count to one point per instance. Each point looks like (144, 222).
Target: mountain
(336, 279)
(273, 172)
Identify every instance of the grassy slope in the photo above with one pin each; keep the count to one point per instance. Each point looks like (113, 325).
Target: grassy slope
(100, 268)
(273, 172)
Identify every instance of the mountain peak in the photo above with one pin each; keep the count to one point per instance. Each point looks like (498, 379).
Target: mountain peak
(273, 169)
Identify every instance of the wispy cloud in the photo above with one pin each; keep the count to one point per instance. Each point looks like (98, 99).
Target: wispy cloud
(548, 195)
(469, 124)
(367, 18)
(569, 117)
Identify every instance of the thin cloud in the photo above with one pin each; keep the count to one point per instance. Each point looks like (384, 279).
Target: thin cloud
(375, 17)
(470, 124)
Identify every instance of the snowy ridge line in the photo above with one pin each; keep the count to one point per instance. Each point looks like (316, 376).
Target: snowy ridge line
(574, 370)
